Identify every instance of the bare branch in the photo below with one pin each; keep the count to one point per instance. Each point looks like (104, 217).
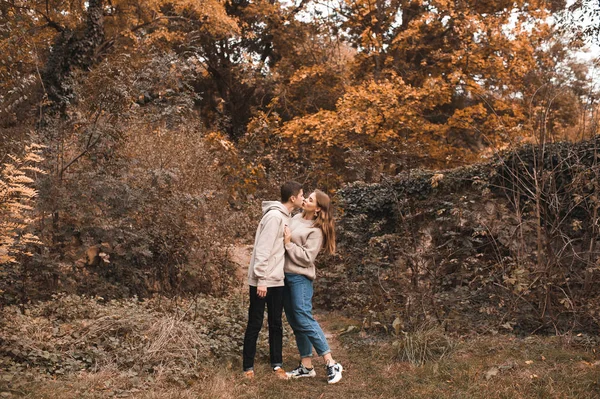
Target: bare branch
(51, 23)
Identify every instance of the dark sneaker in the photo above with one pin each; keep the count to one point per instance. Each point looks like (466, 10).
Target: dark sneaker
(301, 372)
(334, 373)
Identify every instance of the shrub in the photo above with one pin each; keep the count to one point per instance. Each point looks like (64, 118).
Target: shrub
(509, 245)
(177, 338)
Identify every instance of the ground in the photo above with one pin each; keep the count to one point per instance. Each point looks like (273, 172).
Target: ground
(375, 366)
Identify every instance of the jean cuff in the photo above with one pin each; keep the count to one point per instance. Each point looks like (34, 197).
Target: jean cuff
(305, 356)
(324, 353)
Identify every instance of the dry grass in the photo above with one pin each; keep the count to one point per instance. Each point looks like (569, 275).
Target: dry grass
(478, 367)
(177, 340)
(426, 343)
(526, 368)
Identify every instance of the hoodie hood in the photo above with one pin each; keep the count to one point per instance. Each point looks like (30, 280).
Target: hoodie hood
(270, 205)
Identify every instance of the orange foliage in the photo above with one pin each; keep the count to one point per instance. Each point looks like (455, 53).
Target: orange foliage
(435, 84)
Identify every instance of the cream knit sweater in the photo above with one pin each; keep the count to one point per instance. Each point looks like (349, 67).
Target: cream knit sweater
(300, 254)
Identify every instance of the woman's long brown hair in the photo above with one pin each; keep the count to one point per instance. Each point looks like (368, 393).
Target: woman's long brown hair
(325, 221)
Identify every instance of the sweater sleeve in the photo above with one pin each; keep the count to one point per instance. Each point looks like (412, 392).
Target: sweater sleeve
(305, 255)
(267, 236)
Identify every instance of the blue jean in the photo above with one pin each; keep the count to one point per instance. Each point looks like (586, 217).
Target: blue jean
(297, 303)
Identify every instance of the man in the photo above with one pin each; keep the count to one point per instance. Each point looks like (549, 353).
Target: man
(266, 278)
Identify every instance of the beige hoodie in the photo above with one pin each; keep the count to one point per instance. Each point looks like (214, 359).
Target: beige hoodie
(266, 264)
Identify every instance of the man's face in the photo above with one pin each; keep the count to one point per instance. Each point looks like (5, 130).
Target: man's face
(297, 200)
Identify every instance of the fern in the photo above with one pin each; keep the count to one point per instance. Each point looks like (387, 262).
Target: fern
(16, 204)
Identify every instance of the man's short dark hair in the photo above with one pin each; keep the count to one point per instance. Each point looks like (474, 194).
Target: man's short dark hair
(289, 189)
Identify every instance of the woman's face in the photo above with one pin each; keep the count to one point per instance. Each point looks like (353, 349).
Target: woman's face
(310, 203)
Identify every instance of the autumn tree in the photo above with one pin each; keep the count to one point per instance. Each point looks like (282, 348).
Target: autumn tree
(314, 69)
(155, 112)
(112, 88)
(435, 84)
(581, 18)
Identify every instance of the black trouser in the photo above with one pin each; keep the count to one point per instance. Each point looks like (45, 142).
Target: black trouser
(256, 311)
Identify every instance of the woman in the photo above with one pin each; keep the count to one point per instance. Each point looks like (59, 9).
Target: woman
(308, 233)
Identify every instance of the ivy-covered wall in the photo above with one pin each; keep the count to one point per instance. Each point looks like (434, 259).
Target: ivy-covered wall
(511, 244)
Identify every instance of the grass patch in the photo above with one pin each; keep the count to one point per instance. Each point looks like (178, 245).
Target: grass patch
(178, 359)
(71, 334)
(427, 342)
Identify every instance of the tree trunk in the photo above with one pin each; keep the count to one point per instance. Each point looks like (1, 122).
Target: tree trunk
(72, 49)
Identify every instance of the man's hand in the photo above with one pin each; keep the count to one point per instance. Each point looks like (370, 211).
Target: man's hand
(261, 292)
(287, 235)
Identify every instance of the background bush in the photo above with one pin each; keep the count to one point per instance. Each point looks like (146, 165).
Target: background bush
(510, 245)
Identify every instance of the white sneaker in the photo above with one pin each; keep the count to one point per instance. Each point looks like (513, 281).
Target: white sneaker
(301, 372)
(334, 373)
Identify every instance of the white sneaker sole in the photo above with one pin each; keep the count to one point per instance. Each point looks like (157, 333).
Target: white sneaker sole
(338, 376)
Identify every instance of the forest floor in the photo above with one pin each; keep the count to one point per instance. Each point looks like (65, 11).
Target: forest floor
(491, 366)
(486, 367)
